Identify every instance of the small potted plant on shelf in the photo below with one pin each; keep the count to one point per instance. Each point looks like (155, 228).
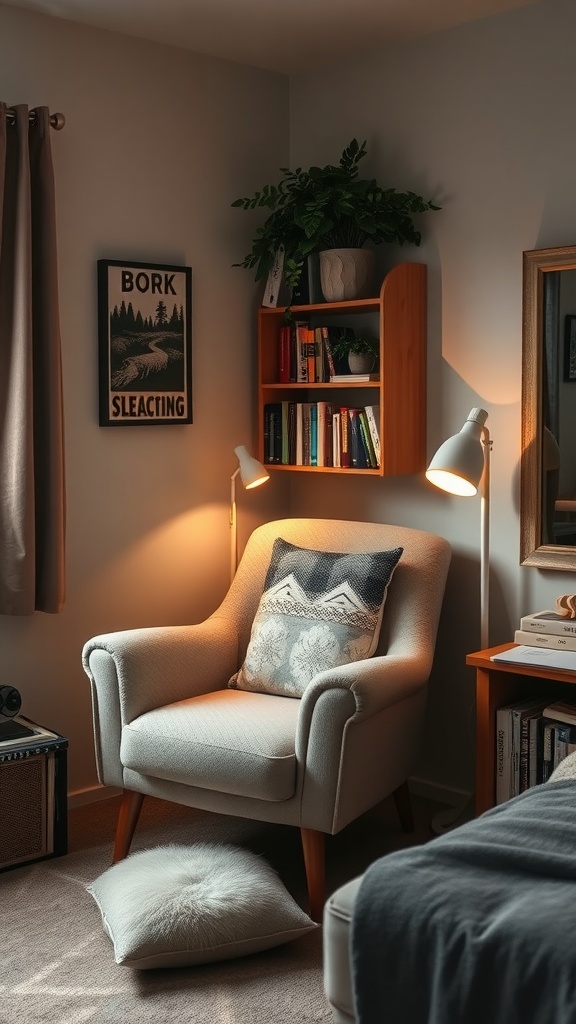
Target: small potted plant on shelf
(358, 353)
(331, 211)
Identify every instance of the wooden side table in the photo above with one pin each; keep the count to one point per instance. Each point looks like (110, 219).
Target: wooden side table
(497, 684)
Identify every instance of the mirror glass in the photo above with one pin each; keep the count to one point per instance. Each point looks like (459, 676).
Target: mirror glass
(548, 467)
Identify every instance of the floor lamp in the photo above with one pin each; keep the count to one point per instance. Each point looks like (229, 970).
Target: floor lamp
(462, 466)
(252, 474)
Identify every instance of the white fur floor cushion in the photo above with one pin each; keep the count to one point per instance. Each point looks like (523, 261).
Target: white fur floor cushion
(179, 905)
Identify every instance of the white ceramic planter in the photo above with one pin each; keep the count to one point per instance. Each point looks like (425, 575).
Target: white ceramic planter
(346, 274)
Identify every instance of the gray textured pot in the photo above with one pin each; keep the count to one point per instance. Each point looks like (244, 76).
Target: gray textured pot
(361, 362)
(346, 274)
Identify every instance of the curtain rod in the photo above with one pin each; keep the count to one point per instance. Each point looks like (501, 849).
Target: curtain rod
(57, 121)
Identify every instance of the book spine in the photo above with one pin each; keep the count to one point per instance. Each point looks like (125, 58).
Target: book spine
(285, 432)
(284, 355)
(292, 433)
(319, 355)
(555, 627)
(336, 440)
(356, 450)
(524, 754)
(560, 716)
(267, 421)
(310, 356)
(516, 737)
(345, 462)
(547, 751)
(503, 754)
(293, 355)
(328, 440)
(373, 417)
(306, 433)
(558, 643)
(328, 351)
(299, 435)
(321, 408)
(313, 434)
(535, 751)
(302, 353)
(367, 439)
(276, 432)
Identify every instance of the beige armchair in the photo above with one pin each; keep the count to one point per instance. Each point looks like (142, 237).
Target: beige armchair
(167, 725)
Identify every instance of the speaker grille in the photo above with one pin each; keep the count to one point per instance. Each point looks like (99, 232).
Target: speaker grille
(23, 810)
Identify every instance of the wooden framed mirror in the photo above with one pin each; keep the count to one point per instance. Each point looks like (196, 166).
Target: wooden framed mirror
(548, 463)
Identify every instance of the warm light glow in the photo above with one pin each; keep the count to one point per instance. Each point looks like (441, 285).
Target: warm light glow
(256, 483)
(451, 482)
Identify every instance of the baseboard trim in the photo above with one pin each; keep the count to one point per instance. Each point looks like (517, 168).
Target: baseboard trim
(91, 795)
(436, 791)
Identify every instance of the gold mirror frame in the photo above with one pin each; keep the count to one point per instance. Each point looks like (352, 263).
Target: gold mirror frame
(537, 263)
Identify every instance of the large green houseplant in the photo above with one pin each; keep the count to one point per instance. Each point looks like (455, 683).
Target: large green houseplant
(327, 208)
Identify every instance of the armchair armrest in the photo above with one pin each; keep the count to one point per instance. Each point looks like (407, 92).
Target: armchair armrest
(136, 670)
(159, 665)
(374, 684)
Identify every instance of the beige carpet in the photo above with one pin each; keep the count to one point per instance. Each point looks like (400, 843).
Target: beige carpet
(57, 963)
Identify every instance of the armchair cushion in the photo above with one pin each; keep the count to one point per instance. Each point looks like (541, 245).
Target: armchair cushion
(177, 905)
(231, 742)
(319, 609)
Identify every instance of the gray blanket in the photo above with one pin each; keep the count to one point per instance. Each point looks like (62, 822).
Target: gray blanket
(478, 926)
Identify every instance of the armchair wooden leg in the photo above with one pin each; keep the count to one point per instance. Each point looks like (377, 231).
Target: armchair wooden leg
(314, 862)
(126, 825)
(403, 803)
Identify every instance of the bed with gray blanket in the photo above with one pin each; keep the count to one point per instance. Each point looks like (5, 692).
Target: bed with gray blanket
(476, 926)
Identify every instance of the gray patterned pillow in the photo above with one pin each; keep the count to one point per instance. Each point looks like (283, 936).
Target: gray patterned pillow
(318, 609)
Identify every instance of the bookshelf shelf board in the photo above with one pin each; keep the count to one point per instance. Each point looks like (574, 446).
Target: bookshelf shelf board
(304, 386)
(350, 306)
(340, 470)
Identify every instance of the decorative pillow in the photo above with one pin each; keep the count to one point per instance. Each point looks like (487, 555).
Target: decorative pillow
(319, 609)
(179, 905)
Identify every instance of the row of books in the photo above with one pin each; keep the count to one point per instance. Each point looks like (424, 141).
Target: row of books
(532, 738)
(306, 354)
(322, 434)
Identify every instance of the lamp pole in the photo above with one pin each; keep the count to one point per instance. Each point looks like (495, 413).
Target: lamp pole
(485, 541)
(233, 525)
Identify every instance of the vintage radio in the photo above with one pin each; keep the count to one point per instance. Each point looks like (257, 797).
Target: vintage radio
(33, 793)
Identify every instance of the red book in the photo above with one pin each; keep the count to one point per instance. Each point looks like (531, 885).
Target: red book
(284, 355)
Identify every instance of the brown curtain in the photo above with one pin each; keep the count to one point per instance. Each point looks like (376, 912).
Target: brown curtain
(32, 495)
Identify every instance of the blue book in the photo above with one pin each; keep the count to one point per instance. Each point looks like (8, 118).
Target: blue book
(313, 435)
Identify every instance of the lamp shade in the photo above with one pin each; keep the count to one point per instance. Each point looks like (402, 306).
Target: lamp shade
(458, 464)
(252, 472)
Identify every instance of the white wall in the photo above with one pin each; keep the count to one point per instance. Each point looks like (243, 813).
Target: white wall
(479, 118)
(157, 144)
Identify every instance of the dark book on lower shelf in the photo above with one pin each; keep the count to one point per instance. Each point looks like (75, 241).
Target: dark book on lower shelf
(358, 458)
(273, 433)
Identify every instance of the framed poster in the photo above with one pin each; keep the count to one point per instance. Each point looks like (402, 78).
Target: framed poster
(570, 348)
(145, 344)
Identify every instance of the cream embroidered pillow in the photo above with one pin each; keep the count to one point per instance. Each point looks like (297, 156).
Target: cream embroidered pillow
(319, 609)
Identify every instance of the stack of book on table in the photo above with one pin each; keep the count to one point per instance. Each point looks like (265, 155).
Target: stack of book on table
(547, 629)
(545, 639)
(532, 738)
